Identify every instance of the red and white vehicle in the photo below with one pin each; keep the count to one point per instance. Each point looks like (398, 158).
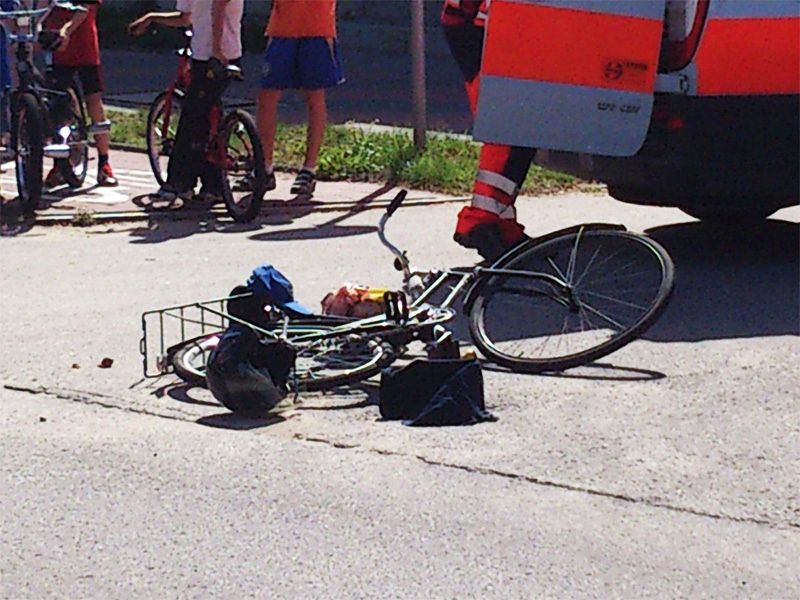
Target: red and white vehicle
(687, 103)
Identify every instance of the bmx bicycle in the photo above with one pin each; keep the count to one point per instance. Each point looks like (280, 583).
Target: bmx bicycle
(46, 121)
(552, 303)
(233, 146)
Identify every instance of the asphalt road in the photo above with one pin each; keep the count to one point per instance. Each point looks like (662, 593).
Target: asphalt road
(668, 471)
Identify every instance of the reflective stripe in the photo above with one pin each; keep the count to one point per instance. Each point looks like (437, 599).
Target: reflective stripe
(627, 8)
(504, 211)
(749, 56)
(504, 184)
(753, 9)
(453, 3)
(562, 117)
(543, 43)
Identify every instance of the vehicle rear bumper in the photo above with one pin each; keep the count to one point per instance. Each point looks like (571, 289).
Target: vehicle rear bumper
(726, 150)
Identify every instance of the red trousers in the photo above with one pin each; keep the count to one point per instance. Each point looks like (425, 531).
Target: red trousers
(501, 169)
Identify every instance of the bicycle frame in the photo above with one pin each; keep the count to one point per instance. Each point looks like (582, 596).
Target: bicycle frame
(181, 82)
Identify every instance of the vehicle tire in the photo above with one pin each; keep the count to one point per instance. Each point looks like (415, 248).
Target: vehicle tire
(321, 364)
(607, 288)
(160, 142)
(74, 169)
(29, 148)
(243, 174)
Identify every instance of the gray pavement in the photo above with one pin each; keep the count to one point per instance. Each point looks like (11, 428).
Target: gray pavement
(667, 471)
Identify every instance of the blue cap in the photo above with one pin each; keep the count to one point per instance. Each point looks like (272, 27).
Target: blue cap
(271, 285)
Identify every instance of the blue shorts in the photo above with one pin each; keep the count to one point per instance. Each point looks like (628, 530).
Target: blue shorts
(301, 64)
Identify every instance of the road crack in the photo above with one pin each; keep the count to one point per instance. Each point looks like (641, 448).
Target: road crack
(488, 471)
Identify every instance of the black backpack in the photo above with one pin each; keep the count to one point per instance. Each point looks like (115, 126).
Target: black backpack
(434, 392)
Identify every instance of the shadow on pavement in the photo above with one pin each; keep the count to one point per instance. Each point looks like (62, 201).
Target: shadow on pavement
(731, 281)
(181, 392)
(593, 372)
(234, 422)
(331, 228)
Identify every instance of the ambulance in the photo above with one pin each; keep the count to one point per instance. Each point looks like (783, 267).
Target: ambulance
(685, 103)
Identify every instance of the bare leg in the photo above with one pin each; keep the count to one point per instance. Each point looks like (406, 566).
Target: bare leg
(317, 118)
(267, 121)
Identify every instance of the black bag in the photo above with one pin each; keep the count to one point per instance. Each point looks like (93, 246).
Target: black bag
(434, 392)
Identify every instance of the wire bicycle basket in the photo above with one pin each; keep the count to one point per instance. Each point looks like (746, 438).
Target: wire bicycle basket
(165, 328)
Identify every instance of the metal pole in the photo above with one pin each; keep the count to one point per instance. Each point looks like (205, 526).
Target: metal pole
(418, 72)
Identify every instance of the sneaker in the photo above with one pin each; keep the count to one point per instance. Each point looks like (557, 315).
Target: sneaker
(105, 176)
(54, 179)
(304, 183)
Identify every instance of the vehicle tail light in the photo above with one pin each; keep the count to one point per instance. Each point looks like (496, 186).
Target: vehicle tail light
(683, 25)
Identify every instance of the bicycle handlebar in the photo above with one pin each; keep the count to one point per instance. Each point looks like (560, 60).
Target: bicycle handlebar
(395, 204)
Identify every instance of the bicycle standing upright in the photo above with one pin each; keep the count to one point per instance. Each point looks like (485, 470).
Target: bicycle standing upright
(45, 121)
(233, 145)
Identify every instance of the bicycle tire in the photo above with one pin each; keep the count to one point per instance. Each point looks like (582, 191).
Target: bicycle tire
(189, 358)
(158, 147)
(75, 168)
(29, 149)
(578, 246)
(240, 126)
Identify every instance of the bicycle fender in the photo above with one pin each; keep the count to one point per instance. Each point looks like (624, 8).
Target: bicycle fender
(472, 292)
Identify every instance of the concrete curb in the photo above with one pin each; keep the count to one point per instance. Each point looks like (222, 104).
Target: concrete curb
(100, 218)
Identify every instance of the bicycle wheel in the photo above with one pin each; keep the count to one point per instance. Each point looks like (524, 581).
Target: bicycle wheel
(29, 147)
(608, 287)
(243, 174)
(322, 362)
(162, 126)
(74, 168)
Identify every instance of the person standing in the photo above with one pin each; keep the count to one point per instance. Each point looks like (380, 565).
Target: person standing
(489, 224)
(301, 54)
(216, 41)
(78, 55)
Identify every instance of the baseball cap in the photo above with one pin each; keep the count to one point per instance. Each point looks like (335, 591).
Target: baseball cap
(269, 284)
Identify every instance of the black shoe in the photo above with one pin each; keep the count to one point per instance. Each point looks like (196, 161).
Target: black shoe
(488, 241)
(304, 183)
(269, 182)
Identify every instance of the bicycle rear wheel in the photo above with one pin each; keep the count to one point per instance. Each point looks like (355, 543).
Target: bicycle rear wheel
(608, 287)
(322, 362)
(162, 127)
(243, 174)
(74, 168)
(29, 148)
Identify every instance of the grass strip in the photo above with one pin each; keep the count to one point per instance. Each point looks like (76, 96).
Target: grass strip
(352, 154)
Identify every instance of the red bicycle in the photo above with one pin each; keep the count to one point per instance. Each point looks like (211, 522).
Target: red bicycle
(233, 145)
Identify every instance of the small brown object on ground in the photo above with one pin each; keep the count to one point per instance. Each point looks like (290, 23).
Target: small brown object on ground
(106, 363)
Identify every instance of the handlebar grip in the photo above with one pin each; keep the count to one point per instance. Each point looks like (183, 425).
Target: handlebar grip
(395, 204)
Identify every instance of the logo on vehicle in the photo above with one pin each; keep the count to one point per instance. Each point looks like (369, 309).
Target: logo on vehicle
(625, 71)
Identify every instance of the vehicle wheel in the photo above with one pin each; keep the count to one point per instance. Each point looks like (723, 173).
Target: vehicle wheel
(321, 364)
(607, 288)
(162, 126)
(74, 168)
(243, 175)
(29, 147)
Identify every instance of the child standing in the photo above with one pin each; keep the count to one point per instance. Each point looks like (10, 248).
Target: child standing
(302, 55)
(79, 55)
(216, 39)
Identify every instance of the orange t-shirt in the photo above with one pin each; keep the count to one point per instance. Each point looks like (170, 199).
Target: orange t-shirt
(302, 18)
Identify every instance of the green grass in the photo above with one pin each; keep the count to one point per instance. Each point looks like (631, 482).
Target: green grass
(447, 165)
